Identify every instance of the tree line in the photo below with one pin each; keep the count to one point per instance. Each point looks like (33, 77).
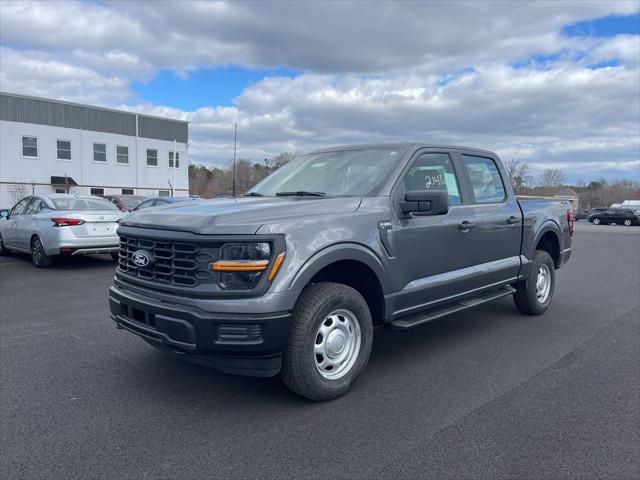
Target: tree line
(211, 182)
(596, 193)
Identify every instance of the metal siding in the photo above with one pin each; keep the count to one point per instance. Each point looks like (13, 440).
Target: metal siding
(158, 129)
(55, 114)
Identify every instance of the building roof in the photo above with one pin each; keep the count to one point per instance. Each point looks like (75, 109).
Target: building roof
(58, 113)
(567, 192)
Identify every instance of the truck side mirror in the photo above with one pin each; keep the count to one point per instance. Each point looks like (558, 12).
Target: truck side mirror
(4, 213)
(422, 203)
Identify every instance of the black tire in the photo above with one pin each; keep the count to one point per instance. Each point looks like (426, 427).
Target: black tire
(627, 222)
(526, 296)
(3, 250)
(38, 256)
(115, 256)
(299, 367)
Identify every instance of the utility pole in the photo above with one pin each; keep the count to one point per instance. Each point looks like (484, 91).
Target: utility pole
(266, 167)
(235, 146)
(175, 165)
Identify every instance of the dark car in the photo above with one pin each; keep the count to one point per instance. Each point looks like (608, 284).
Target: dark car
(619, 216)
(582, 215)
(157, 201)
(293, 277)
(126, 203)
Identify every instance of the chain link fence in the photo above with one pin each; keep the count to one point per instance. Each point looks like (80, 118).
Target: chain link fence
(12, 192)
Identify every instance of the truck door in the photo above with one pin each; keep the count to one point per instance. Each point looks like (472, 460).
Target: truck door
(494, 221)
(431, 253)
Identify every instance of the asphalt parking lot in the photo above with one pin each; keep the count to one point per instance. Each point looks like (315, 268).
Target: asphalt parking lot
(486, 393)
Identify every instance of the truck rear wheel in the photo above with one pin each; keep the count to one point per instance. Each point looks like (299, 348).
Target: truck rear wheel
(329, 343)
(534, 294)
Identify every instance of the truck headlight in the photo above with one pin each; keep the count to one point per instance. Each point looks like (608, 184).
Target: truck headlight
(241, 265)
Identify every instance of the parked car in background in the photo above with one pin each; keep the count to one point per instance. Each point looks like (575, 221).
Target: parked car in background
(582, 215)
(619, 216)
(157, 201)
(293, 277)
(126, 203)
(60, 224)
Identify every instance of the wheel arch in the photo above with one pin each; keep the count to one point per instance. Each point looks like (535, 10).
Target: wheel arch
(350, 264)
(549, 239)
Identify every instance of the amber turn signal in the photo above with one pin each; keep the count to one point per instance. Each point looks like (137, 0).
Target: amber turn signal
(276, 267)
(240, 266)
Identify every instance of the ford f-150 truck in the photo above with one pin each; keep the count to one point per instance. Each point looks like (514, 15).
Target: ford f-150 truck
(293, 277)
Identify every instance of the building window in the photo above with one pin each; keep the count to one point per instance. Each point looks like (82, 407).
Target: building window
(99, 152)
(152, 157)
(60, 190)
(97, 191)
(127, 191)
(171, 159)
(122, 155)
(30, 147)
(164, 193)
(63, 148)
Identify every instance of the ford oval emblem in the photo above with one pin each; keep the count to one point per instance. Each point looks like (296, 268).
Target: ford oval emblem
(141, 258)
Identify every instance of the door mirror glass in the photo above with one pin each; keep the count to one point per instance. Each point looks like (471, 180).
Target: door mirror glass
(4, 213)
(422, 203)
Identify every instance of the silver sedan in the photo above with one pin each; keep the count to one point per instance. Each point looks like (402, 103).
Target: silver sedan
(60, 224)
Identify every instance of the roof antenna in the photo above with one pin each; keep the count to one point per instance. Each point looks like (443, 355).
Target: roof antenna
(235, 146)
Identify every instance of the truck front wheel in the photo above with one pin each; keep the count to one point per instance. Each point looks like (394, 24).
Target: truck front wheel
(329, 343)
(533, 295)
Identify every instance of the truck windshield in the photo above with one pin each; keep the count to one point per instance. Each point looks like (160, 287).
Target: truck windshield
(342, 173)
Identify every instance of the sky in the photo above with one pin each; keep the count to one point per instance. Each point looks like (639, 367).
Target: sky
(551, 83)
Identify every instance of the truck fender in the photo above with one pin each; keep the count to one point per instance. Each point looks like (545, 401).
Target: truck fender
(547, 226)
(335, 253)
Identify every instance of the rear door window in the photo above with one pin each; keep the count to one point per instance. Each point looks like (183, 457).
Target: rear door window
(485, 179)
(20, 207)
(433, 171)
(34, 207)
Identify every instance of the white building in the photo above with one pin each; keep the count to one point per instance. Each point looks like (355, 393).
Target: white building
(53, 146)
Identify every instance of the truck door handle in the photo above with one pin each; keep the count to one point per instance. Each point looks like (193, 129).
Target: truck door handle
(466, 225)
(512, 219)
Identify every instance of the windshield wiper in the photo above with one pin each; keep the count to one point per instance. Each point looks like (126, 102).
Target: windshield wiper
(301, 193)
(252, 194)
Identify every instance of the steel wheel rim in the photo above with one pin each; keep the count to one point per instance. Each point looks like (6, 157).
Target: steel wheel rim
(543, 283)
(337, 344)
(35, 251)
(627, 222)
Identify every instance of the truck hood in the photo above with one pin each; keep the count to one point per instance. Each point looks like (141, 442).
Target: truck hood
(236, 216)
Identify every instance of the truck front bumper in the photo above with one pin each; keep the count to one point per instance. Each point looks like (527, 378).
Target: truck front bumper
(239, 343)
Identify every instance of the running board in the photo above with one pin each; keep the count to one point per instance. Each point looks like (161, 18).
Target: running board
(426, 317)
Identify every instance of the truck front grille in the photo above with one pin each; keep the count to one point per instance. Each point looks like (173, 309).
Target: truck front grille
(183, 264)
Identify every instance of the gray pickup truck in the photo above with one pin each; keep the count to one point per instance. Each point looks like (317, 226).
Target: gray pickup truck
(293, 277)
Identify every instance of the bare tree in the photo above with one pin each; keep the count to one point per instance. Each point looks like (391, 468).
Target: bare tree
(518, 174)
(551, 178)
(282, 158)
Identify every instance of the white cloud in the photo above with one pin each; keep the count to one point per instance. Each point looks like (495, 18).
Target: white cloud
(373, 71)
